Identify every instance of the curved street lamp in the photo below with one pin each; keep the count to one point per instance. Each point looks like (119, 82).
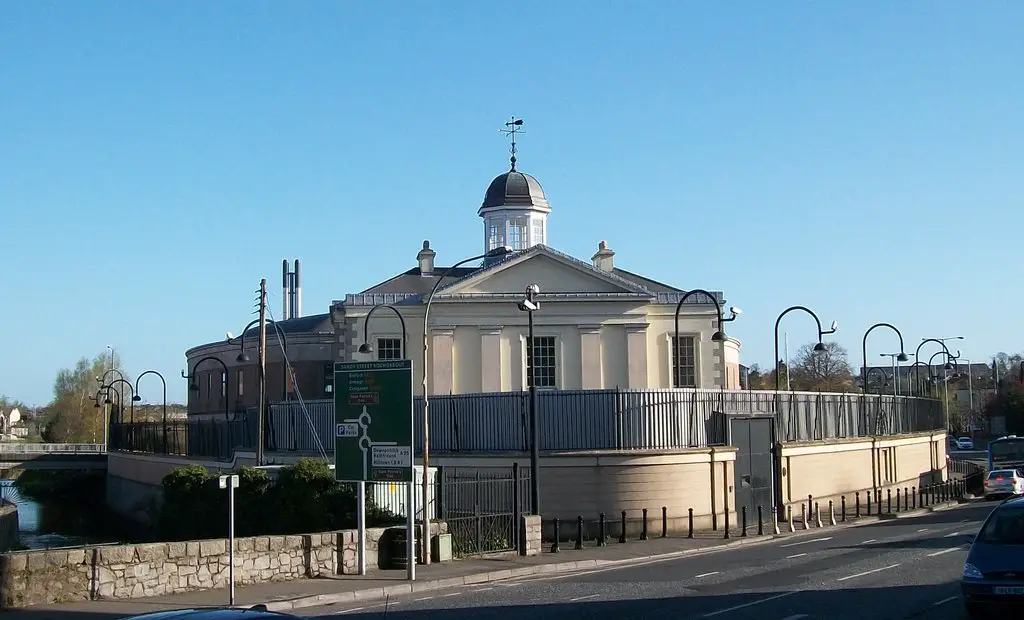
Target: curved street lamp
(138, 398)
(915, 389)
(917, 356)
(110, 387)
(718, 336)
(104, 421)
(902, 357)
(498, 252)
(366, 347)
(193, 380)
(103, 378)
(818, 348)
(242, 356)
(885, 378)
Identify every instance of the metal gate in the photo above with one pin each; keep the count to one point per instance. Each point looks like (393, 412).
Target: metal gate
(482, 507)
(753, 438)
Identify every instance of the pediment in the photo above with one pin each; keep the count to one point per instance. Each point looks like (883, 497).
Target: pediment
(552, 272)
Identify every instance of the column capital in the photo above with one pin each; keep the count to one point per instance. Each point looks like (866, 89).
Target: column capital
(490, 330)
(590, 328)
(632, 328)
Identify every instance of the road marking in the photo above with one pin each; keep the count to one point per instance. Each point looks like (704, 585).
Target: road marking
(750, 604)
(795, 617)
(795, 555)
(348, 611)
(932, 555)
(417, 600)
(583, 598)
(867, 572)
(946, 600)
(706, 574)
(483, 589)
(807, 542)
(869, 541)
(451, 595)
(951, 534)
(923, 529)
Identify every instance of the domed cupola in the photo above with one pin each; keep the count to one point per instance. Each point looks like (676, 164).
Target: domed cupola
(514, 209)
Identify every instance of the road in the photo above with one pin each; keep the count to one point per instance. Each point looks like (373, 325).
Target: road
(892, 570)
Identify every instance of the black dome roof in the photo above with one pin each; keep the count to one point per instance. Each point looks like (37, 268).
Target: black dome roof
(514, 189)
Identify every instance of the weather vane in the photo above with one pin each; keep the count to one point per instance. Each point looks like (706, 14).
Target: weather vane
(513, 127)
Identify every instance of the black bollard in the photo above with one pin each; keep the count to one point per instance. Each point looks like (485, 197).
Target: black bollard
(817, 515)
(842, 507)
(727, 521)
(906, 499)
(760, 521)
(689, 518)
(888, 501)
(897, 499)
(856, 505)
(579, 532)
(878, 500)
(913, 501)
(554, 546)
(869, 504)
(643, 531)
(743, 518)
(601, 532)
(622, 535)
(664, 521)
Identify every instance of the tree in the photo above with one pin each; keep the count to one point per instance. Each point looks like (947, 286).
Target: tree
(1008, 403)
(827, 371)
(72, 415)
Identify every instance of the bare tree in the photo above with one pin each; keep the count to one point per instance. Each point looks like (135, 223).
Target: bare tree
(825, 371)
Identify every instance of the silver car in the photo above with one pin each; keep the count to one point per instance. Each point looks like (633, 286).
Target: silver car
(1004, 483)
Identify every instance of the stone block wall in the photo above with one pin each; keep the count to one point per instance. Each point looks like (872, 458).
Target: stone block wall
(8, 526)
(530, 535)
(38, 577)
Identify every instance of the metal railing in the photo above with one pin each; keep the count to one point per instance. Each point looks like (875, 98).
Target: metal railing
(570, 420)
(51, 448)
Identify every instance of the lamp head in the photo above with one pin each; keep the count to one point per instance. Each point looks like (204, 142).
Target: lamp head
(136, 399)
(242, 358)
(903, 357)
(719, 336)
(948, 366)
(107, 401)
(820, 347)
(365, 348)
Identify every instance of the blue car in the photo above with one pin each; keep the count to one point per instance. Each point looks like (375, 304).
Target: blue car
(993, 578)
(258, 612)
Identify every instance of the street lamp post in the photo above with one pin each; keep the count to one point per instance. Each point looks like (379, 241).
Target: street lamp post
(193, 380)
(136, 398)
(530, 305)
(915, 385)
(902, 356)
(366, 347)
(917, 354)
(102, 379)
(894, 360)
(497, 252)
(105, 421)
(718, 336)
(867, 376)
(110, 386)
(818, 348)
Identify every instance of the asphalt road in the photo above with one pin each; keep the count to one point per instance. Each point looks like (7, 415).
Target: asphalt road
(893, 570)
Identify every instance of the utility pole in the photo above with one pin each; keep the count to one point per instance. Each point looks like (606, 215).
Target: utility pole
(263, 371)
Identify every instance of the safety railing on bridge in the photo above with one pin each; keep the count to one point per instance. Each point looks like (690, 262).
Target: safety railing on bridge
(51, 448)
(568, 419)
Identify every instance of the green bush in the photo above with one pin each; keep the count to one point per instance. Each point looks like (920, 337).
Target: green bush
(305, 497)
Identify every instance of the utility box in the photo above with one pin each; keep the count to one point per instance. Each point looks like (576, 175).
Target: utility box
(441, 548)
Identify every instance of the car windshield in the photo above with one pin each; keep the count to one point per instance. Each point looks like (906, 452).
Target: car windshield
(1001, 473)
(1004, 527)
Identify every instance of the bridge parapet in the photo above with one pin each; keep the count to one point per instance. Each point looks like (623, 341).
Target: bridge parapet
(11, 448)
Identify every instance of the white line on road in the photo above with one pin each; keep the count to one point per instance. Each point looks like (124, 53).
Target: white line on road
(483, 589)
(946, 600)
(348, 611)
(923, 529)
(706, 574)
(750, 604)
(795, 617)
(583, 598)
(795, 555)
(417, 600)
(951, 534)
(807, 542)
(932, 555)
(867, 572)
(451, 595)
(870, 540)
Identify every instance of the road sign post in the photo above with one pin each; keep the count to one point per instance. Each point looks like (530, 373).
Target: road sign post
(373, 419)
(230, 482)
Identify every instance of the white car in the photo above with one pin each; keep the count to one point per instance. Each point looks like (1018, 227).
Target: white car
(1003, 483)
(964, 443)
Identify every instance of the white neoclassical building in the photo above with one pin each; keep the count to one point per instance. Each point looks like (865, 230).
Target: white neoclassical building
(599, 326)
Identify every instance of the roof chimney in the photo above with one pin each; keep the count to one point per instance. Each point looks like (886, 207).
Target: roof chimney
(426, 259)
(603, 259)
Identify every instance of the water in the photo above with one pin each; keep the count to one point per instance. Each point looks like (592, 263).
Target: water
(41, 526)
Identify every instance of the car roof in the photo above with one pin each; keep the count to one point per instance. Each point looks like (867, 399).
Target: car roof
(258, 612)
(1006, 470)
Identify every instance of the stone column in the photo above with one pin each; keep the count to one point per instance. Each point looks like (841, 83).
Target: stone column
(490, 359)
(442, 366)
(636, 355)
(591, 365)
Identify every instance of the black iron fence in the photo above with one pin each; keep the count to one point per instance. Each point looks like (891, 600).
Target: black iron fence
(482, 507)
(569, 420)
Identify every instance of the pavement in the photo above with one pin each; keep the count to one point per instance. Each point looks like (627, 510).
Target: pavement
(651, 576)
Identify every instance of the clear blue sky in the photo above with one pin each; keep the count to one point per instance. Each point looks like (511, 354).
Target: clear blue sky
(157, 159)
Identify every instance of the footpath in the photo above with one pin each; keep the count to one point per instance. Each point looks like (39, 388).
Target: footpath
(293, 596)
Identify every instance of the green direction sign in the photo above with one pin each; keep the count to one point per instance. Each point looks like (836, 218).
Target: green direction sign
(373, 421)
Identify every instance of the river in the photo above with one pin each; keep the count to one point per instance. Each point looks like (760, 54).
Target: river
(43, 526)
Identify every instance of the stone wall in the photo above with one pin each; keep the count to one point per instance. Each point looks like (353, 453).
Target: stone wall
(153, 569)
(530, 535)
(8, 526)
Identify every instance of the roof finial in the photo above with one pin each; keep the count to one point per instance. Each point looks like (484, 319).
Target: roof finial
(513, 127)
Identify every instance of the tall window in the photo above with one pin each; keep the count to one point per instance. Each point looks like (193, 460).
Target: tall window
(495, 234)
(684, 362)
(389, 348)
(517, 233)
(240, 380)
(223, 384)
(537, 234)
(543, 355)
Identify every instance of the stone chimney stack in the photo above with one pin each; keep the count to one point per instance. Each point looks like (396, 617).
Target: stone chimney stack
(604, 258)
(426, 259)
